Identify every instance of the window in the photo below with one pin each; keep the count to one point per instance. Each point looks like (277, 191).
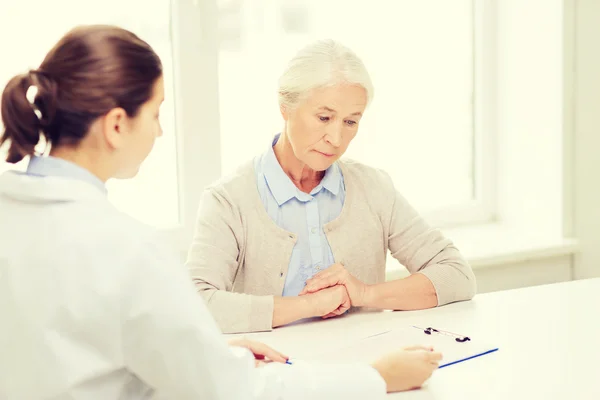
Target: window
(153, 196)
(429, 126)
(466, 118)
(423, 126)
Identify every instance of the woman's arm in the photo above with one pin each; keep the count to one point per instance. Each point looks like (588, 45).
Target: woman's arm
(412, 293)
(446, 276)
(439, 273)
(212, 263)
(327, 303)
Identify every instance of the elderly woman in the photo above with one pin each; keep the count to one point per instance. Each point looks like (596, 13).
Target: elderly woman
(300, 232)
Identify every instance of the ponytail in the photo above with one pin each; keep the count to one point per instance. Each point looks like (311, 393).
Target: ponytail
(25, 119)
(90, 71)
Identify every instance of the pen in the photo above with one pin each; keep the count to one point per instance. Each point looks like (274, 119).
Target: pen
(288, 362)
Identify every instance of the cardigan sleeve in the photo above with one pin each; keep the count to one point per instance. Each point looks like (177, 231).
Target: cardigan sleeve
(422, 249)
(213, 261)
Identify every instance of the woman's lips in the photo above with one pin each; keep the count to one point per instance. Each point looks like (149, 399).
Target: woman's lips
(325, 154)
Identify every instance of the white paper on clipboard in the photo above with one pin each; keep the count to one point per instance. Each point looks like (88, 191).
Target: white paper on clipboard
(376, 346)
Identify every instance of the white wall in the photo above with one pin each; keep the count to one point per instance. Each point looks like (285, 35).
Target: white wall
(504, 275)
(583, 130)
(522, 274)
(580, 173)
(580, 135)
(529, 116)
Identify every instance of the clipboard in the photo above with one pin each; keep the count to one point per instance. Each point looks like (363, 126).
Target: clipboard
(455, 348)
(462, 349)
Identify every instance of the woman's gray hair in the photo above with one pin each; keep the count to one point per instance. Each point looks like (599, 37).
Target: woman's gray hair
(321, 64)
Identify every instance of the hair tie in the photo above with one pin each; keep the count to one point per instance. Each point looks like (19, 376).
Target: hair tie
(31, 94)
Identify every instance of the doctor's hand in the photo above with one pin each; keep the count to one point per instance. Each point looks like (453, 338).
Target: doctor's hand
(337, 275)
(262, 352)
(407, 369)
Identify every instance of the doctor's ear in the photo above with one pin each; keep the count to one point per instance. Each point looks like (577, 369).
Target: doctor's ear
(115, 125)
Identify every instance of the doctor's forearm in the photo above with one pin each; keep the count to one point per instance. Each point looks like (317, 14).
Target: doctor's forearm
(415, 292)
(289, 309)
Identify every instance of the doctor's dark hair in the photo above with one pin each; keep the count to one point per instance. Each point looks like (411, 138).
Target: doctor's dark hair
(90, 71)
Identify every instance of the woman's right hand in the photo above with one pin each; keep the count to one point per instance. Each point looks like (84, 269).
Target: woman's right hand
(325, 303)
(329, 302)
(408, 368)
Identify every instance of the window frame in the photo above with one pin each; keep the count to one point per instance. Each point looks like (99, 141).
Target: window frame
(195, 62)
(483, 208)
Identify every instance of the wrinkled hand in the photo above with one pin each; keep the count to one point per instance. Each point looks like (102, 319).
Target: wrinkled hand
(407, 369)
(262, 352)
(329, 302)
(337, 275)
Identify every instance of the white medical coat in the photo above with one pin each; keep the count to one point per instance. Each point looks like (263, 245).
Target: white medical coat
(92, 308)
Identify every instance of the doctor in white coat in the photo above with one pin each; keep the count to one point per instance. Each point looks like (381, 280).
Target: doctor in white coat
(92, 307)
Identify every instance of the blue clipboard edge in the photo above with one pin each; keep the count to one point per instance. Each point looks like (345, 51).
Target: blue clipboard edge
(468, 358)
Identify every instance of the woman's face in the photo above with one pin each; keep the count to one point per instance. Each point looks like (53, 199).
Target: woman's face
(142, 133)
(321, 128)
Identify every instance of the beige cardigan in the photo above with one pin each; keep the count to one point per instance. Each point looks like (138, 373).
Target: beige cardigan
(239, 256)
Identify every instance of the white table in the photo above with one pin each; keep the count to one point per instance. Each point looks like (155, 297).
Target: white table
(549, 340)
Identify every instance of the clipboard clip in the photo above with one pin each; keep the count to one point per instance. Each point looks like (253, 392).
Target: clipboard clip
(458, 338)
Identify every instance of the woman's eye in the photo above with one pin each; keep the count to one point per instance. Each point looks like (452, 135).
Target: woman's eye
(351, 123)
(324, 119)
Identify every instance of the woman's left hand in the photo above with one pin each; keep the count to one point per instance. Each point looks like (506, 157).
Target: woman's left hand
(262, 352)
(338, 275)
